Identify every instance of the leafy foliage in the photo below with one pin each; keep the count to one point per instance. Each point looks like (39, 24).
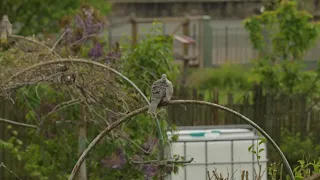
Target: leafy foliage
(290, 31)
(227, 77)
(282, 36)
(304, 170)
(56, 143)
(51, 152)
(149, 59)
(36, 16)
(304, 147)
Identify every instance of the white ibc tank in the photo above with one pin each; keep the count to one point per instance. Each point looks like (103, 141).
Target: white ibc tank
(220, 148)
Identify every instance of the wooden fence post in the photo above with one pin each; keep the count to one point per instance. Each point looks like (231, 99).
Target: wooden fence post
(215, 119)
(229, 105)
(226, 44)
(206, 37)
(185, 50)
(82, 139)
(134, 30)
(2, 135)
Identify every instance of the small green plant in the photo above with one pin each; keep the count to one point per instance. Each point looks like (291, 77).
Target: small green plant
(256, 150)
(304, 147)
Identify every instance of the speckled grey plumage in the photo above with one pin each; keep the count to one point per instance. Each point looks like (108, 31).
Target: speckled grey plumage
(161, 90)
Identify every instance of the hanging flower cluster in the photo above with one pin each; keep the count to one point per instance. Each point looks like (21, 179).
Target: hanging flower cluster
(117, 160)
(86, 28)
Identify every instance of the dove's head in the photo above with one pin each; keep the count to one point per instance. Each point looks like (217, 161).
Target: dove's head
(164, 76)
(5, 17)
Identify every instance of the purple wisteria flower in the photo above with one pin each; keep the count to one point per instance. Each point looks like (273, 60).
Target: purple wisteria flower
(79, 22)
(90, 26)
(116, 160)
(96, 51)
(149, 171)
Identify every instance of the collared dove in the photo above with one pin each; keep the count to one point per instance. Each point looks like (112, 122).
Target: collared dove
(161, 90)
(5, 28)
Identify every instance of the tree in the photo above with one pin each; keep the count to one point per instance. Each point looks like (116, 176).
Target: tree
(282, 37)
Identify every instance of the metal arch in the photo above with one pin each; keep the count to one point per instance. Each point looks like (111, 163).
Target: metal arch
(143, 109)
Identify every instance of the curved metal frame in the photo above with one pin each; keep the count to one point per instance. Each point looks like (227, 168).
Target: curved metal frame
(138, 111)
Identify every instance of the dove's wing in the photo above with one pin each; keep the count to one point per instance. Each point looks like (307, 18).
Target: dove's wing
(4, 33)
(158, 92)
(169, 90)
(9, 28)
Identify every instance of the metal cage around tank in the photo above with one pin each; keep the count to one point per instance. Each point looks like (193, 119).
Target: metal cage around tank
(220, 148)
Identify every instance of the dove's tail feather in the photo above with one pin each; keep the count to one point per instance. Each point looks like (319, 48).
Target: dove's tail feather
(3, 38)
(152, 107)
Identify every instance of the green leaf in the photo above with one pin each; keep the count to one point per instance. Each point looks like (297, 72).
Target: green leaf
(260, 150)
(250, 147)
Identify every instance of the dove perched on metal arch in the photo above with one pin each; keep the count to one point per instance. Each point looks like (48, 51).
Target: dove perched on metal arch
(5, 28)
(161, 90)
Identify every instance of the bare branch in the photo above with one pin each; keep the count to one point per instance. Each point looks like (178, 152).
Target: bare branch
(80, 61)
(128, 139)
(161, 163)
(58, 40)
(61, 106)
(68, 121)
(29, 105)
(101, 135)
(18, 123)
(143, 109)
(83, 38)
(2, 165)
(35, 42)
(96, 113)
(40, 80)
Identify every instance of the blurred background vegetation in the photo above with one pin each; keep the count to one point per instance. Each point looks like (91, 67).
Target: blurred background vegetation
(278, 70)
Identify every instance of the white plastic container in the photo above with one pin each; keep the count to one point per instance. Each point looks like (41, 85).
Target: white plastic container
(220, 148)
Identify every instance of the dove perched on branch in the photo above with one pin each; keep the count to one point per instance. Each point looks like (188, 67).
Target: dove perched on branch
(5, 28)
(161, 90)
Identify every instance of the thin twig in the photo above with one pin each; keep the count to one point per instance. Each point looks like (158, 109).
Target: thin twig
(58, 40)
(2, 165)
(208, 174)
(96, 113)
(18, 123)
(79, 61)
(215, 174)
(61, 106)
(35, 42)
(67, 121)
(163, 162)
(100, 136)
(242, 175)
(83, 38)
(139, 147)
(28, 103)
